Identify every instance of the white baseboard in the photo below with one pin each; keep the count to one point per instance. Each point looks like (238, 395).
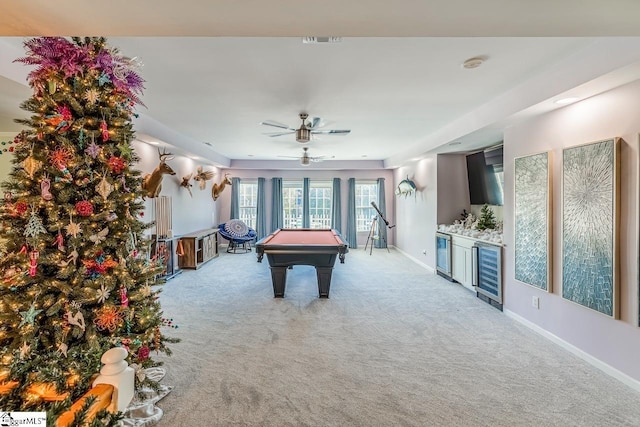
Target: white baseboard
(416, 260)
(607, 369)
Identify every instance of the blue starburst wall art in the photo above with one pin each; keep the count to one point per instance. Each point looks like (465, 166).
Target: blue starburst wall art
(589, 225)
(532, 220)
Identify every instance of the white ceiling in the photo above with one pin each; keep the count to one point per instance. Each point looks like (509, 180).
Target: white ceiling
(215, 70)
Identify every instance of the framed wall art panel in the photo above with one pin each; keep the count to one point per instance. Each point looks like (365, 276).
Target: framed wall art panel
(590, 178)
(533, 220)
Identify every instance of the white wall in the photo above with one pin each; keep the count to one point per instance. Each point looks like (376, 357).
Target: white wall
(5, 157)
(344, 175)
(453, 187)
(612, 114)
(189, 213)
(416, 215)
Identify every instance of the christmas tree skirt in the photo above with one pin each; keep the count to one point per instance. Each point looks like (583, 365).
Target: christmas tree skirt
(143, 410)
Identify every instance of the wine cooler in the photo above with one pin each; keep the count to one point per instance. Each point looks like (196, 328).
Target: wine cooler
(443, 255)
(487, 273)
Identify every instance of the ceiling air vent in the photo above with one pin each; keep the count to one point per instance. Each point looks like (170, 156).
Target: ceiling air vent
(315, 40)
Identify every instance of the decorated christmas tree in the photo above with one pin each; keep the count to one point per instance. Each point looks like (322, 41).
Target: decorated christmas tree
(75, 276)
(487, 220)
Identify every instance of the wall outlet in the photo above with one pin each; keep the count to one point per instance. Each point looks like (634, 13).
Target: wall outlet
(535, 302)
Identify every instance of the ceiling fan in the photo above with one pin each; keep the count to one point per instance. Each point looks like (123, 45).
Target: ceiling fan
(306, 158)
(306, 129)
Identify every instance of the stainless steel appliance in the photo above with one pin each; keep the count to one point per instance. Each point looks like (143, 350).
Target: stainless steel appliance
(443, 255)
(487, 273)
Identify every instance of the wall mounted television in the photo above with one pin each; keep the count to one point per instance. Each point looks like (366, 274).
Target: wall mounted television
(485, 176)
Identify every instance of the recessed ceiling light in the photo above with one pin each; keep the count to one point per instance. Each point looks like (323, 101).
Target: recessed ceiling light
(153, 142)
(250, 155)
(194, 157)
(474, 62)
(364, 155)
(207, 143)
(455, 143)
(565, 101)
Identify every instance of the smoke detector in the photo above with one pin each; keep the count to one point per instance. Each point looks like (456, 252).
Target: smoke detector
(474, 62)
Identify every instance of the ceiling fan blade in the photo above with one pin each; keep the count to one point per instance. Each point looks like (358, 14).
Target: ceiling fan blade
(290, 157)
(274, 134)
(314, 123)
(276, 125)
(332, 131)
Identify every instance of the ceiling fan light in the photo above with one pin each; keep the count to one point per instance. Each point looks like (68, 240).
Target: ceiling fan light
(303, 134)
(304, 161)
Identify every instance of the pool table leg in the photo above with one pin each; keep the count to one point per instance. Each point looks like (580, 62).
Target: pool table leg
(279, 279)
(324, 281)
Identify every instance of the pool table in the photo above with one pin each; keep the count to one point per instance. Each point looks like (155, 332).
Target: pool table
(302, 246)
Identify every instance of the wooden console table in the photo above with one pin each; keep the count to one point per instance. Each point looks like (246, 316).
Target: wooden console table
(199, 247)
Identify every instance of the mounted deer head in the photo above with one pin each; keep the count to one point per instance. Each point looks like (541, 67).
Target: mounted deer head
(217, 188)
(152, 183)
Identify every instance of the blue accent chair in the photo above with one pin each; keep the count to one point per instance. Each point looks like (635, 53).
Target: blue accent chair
(239, 235)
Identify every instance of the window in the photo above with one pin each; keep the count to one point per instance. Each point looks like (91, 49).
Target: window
(319, 204)
(320, 193)
(366, 192)
(248, 203)
(292, 204)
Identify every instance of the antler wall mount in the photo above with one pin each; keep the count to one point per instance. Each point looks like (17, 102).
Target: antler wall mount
(152, 183)
(218, 188)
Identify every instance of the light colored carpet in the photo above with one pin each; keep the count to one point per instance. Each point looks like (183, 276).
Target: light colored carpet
(393, 346)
